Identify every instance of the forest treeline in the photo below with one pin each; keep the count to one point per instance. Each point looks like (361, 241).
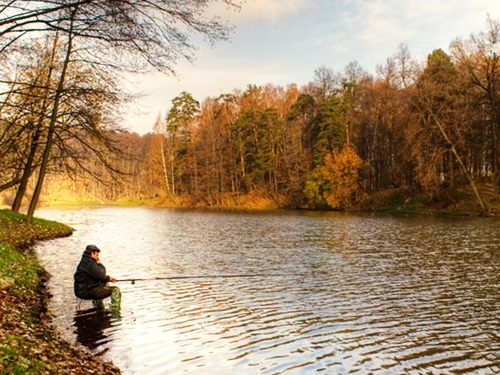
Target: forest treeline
(428, 127)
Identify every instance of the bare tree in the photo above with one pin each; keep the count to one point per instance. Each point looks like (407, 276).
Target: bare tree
(479, 58)
(108, 36)
(325, 82)
(135, 35)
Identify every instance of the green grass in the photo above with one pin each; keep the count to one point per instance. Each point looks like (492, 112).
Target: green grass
(22, 333)
(16, 235)
(22, 269)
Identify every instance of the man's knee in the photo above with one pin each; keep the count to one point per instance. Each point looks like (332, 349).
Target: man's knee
(102, 292)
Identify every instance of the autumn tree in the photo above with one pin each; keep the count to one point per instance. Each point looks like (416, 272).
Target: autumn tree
(227, 112)
(159, 161)
(24, 111)
(66, 118)
(478, 59)
(383, 123)
(438, 100)
(336, 109)
(295, 150)
(325, 82)
(121, 34)
(38, 89)
(337, 183)
(179, 121)
(111, 36)
(215, 150)
(343, 170)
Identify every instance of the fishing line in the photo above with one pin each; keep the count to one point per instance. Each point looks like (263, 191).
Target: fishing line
(133, 280)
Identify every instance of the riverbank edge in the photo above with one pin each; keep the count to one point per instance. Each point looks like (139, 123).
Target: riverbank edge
(29, 343)
(395, 201)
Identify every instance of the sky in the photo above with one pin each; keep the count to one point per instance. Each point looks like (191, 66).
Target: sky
(282, 42)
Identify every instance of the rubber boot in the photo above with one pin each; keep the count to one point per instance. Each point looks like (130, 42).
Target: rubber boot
(98, 304)
(116, 299)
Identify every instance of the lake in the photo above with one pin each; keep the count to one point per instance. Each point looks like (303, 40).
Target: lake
(324, 293)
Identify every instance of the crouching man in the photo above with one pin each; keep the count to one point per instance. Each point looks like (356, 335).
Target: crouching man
(91, 280)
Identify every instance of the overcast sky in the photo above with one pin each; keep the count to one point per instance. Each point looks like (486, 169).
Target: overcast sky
(285, 41)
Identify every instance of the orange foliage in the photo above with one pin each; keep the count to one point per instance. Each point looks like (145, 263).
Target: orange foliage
(342, 171)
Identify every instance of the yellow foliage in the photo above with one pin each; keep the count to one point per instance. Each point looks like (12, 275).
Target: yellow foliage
(342, 171)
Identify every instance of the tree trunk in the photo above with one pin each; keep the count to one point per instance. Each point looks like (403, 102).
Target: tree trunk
(28, 167)
(164, 165)
(459, 160)
(52, 126)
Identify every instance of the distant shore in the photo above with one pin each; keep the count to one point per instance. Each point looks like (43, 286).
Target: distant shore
(396, 201)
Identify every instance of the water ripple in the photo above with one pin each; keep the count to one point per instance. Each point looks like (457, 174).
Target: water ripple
(355, 295)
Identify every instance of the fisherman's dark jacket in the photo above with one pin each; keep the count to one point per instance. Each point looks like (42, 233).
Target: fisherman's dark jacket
(89, 275)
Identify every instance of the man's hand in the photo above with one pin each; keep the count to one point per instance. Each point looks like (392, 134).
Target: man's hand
(112, 279)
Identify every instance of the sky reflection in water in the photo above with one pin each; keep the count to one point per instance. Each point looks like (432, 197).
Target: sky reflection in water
(365, 293)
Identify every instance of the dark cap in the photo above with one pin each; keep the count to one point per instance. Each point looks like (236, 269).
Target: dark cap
(92, 249)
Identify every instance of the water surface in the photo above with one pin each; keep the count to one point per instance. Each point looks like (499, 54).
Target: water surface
(345, 294)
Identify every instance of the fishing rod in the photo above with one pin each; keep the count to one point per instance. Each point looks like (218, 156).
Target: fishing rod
(133, 280)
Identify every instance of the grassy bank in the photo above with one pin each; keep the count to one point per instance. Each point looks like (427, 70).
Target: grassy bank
(393, 201)
(28, 344)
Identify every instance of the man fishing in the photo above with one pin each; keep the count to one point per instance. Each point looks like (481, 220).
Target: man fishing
(91, 280)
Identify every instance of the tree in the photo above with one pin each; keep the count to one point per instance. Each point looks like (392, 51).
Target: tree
(343, 175)
(337, 183)
(438, 100)
(226, 115)
(325, 83)
(336, 108)
(244, 132)
(270, 135)
(349, 91)
(383, 118)
(213, 145)
(111, 36)
(295, 153)
(331, 129)
(479, 59)
(23, 113)
(36, 125)
(81, 127)
(179, 120)
(135, 35)
(159, 154)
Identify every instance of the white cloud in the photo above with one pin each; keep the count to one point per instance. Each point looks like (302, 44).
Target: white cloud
(284, 41)
(252, 10)
(272, 9)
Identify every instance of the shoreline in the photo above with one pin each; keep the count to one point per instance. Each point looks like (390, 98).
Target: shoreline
(392, 201)
(29, 343)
